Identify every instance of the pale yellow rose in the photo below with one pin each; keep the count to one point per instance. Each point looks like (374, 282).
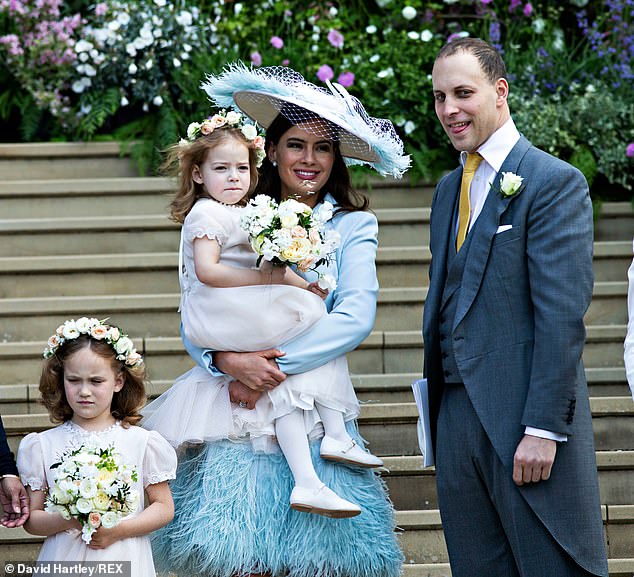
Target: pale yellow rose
(101, 501)
(298, 232)
(297, 251)
(289, 220)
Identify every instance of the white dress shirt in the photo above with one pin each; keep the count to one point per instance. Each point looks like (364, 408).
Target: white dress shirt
(629, 337)
(494, 152)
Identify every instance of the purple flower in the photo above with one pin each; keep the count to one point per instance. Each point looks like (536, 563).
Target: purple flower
(528, 9)
(286, 62)
(277, 42)
(335, 38)
(629, 151)
(346, 79)
(325, 73)
(486, 1)
(256, 59)
(514, 5)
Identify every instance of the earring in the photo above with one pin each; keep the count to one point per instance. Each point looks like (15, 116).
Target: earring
(274, 163)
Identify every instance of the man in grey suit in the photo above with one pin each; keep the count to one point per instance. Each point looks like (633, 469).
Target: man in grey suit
(510, 281)
(14, 502)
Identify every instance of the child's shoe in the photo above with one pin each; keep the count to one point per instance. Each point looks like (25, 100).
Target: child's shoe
(347, 452)
(322, 501)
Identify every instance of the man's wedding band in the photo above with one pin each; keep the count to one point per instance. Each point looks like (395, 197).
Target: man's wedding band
(242, 405)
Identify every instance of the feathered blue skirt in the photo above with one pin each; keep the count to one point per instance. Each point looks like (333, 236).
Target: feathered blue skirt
(232, 517)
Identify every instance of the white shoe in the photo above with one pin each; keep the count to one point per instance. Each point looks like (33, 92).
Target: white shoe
(322, 501)
(347, 452)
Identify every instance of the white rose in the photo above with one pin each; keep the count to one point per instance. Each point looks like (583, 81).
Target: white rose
(83, 324)
(324, 212)
(289, 220)
(87, 489)
(192, 129)
(510, 183)
(109, 519)
(233, 117)
(84, 505)
(249, 131)
(426, 35)
(123, 346)
(70, 330)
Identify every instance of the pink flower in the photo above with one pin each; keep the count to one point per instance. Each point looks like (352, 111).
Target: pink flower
(528, 9)
(101, 9)
(486, 1)
(256, 59)
(277, 42)
(629, 151)
(346, 79)
(335, 38)
(286, 62)
(325, 73)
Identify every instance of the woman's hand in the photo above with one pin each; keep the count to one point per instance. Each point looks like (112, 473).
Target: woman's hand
(257, 370)
(313, 287)
(243, 395)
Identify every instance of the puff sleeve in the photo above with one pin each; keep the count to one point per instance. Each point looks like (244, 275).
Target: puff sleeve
(31, 464)
(207, 219)
(159, 461)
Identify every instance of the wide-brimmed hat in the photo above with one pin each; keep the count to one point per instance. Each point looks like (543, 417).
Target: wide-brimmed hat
(263, 93)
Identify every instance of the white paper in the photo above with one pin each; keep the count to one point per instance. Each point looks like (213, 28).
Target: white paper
(421, 397)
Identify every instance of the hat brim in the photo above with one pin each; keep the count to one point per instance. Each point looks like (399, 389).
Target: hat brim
(263, 108)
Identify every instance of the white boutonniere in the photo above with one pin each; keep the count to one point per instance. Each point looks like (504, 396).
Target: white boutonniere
(510, 184)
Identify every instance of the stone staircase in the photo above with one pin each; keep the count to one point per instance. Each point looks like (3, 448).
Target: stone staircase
(81, 235)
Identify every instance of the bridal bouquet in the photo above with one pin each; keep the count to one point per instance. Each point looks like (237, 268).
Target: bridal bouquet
(291, 233)
(93, 485)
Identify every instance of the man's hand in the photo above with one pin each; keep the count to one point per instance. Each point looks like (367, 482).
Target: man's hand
(533, 460)
(14, 501)
(239, 393)
(258, 370)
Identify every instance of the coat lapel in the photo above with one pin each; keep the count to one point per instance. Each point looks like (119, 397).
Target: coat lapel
(484, 230)
(443, 216)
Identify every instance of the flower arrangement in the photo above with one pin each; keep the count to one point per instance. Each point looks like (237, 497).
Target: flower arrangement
(98, 330)
(290, 233)
(232, 119)
(93, 485)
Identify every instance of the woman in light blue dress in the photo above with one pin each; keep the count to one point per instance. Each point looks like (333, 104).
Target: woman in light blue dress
(231, 498)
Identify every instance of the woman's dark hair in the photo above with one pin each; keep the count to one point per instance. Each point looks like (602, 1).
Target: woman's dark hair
(126, 403)
(338, 184)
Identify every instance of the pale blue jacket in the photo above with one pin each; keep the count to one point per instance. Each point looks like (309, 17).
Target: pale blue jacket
(351, 306)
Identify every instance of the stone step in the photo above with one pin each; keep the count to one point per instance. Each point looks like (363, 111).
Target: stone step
(82, 273)
(47, 236)
(382, 423)
(615, 221)
(421, 539)
(62, 198)
(54, 160)
(383, 352)
(399, 309)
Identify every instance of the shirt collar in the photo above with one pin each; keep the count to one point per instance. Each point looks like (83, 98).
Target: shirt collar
(497, 146)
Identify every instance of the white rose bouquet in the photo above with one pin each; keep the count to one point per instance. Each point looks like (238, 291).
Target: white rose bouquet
(290, 233)
(93, 485)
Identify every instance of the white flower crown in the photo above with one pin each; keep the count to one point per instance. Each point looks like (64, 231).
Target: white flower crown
(98, 330)
(231, 119)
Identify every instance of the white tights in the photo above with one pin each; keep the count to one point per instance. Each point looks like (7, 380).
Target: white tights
(292, 438)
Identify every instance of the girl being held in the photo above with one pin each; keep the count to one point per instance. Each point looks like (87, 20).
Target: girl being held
(93, 383)
(227, 303)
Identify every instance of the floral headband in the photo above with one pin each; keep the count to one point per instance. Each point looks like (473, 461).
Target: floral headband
(231, 119)
(98, 330)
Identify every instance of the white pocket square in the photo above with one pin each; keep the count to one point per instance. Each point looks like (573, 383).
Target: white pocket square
(503, 227)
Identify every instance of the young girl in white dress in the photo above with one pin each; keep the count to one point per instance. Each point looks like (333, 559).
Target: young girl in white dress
(227, 303)
(93, 382)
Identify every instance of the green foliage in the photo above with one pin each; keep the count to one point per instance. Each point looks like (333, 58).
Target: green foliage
(569, 65)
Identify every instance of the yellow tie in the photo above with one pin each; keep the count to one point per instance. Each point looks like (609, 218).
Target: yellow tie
(464, 208)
